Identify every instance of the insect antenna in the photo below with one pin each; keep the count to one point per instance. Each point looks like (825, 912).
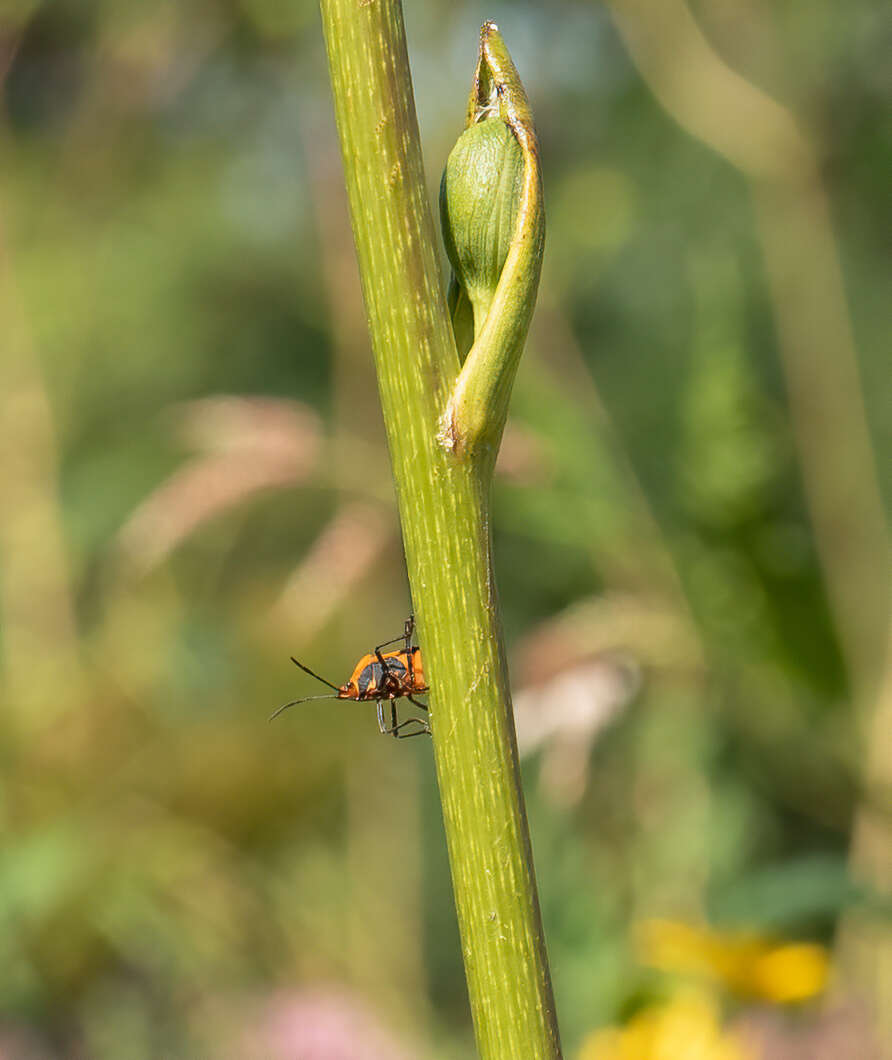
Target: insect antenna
(294, 703)
(307, 670)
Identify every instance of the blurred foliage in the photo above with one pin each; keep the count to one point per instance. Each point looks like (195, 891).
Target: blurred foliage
(195, 486)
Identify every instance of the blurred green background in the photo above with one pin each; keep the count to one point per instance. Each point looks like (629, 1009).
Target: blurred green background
(689, 538)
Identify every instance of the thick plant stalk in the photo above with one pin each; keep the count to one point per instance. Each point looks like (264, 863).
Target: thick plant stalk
(442, 448)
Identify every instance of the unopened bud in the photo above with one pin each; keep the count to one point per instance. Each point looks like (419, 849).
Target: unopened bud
(479, 202)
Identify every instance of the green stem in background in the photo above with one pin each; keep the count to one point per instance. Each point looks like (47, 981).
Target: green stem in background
(442, 492)
(820, 362)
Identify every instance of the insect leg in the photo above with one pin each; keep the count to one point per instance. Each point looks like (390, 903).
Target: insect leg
(410, 655)
(385, 685)
(408, 630)
(392, 678)
(387, 643)
(423, 728)
(382, 724)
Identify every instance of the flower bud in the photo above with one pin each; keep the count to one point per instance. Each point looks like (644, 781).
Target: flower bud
(479, 202)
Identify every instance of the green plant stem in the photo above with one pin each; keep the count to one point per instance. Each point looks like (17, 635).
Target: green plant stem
(443, 503)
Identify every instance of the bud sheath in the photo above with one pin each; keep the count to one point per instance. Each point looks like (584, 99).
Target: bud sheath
(494, 227)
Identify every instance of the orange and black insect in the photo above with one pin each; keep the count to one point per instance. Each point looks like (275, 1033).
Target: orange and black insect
(382, 677)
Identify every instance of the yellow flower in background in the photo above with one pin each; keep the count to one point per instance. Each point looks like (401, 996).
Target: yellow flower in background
(746, 965)
(793, 972)
(688, 1027)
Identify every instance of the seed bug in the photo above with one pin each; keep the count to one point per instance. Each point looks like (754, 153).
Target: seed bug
(382, 677)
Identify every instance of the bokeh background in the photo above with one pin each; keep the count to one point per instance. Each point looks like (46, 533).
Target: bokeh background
(689, 534)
